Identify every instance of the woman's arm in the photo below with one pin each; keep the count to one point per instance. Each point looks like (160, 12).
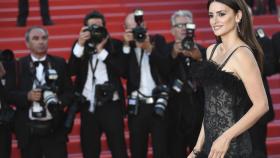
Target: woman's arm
(199, 143)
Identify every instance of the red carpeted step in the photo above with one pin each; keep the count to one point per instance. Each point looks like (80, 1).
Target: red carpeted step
(277, 111)
(275, 94)
(273, 129)
(274, 156)
(273, 145)
(274, 81)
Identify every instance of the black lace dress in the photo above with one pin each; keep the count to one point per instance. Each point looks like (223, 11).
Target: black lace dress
(226, 102)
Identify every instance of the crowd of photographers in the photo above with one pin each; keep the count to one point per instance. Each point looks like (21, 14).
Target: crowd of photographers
(39, 101)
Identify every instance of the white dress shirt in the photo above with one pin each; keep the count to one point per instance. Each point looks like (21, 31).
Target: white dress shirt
(40, 79)
(100, 74)
(147, 83)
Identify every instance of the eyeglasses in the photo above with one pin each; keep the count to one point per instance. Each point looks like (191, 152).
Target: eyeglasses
(184, 25)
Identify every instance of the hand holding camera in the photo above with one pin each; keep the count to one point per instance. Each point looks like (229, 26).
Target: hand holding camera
(98, 36)
(34, 95)
(100, 46)
(84, 36)
(194, 53)
(146, 45)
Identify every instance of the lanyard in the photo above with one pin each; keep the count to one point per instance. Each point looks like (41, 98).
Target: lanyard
(93, 69)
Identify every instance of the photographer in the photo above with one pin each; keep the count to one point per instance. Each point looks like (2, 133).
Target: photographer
(258, 131)
(43, 90)
(7, 76)
(185, 109)
(146, 87)
(96, 63)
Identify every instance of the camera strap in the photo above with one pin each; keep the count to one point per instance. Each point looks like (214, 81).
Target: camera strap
(141, 58)
(93, 69)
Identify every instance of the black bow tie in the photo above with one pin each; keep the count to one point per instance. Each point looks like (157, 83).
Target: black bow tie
(43, 62)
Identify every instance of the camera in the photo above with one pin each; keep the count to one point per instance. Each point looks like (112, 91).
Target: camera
(104, 93)
(49, 97)
(161, 94)
(177, 85)
(260, 33)
(188, 42)
(97, 34)
(72, 110)
(139, 32)
(133, 104)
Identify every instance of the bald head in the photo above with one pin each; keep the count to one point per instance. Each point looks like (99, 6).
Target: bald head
(129, 21)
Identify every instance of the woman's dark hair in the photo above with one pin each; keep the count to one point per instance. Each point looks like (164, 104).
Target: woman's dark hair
(246, 27)
(94, 15)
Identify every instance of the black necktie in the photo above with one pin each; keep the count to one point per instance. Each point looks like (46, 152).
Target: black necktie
(43, 62)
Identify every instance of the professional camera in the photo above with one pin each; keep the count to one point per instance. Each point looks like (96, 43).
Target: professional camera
(104, 93)
(161, 93)
(139, 32)
(97, 34)
(133, 104)
(188, 42)
(49, 97)
(72, 110)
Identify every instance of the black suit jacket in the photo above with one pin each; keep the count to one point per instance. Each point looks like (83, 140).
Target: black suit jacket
(114, 63)
(269, 68)
(185, 108)
(9, 82)
(157, 60)
(25, 75)
(276, 47)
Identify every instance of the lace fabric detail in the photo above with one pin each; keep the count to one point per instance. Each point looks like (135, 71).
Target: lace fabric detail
(225, 103)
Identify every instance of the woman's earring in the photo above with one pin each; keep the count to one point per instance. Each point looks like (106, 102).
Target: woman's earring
(238, 28)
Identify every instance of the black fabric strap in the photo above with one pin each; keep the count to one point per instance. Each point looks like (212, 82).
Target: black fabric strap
(227, 59)
(93, 69)
(213, 50)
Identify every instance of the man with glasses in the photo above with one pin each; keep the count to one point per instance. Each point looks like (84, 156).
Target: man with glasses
(185, 109)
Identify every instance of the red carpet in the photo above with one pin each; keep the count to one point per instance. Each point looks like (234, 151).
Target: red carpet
(68, 16)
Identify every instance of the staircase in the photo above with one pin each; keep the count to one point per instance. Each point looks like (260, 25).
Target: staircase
(68, 17)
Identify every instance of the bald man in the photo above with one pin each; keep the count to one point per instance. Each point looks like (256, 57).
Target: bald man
(146, 68)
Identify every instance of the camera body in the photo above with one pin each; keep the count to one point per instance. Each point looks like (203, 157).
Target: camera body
(49, 97)
(104, 93)
(161, 95)
(133, 104)
(72, 110)
(188, 42)
(139, 32)
(260, 33)
(97, 34)
(6, 114)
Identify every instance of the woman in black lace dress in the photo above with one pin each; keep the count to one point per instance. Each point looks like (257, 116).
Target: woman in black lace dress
(234, 94)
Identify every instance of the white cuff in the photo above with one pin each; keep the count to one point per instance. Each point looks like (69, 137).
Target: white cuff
(126, 49)
(78, 50)
(102, 55)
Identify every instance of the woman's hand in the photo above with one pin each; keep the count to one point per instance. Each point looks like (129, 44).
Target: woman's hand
(219, 147)
(194, 153)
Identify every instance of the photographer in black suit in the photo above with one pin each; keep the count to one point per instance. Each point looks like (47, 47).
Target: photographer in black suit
(96, 63)
(7, 77)
(258, 132)
(43, 90)
(146, 87)
(185, 109)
